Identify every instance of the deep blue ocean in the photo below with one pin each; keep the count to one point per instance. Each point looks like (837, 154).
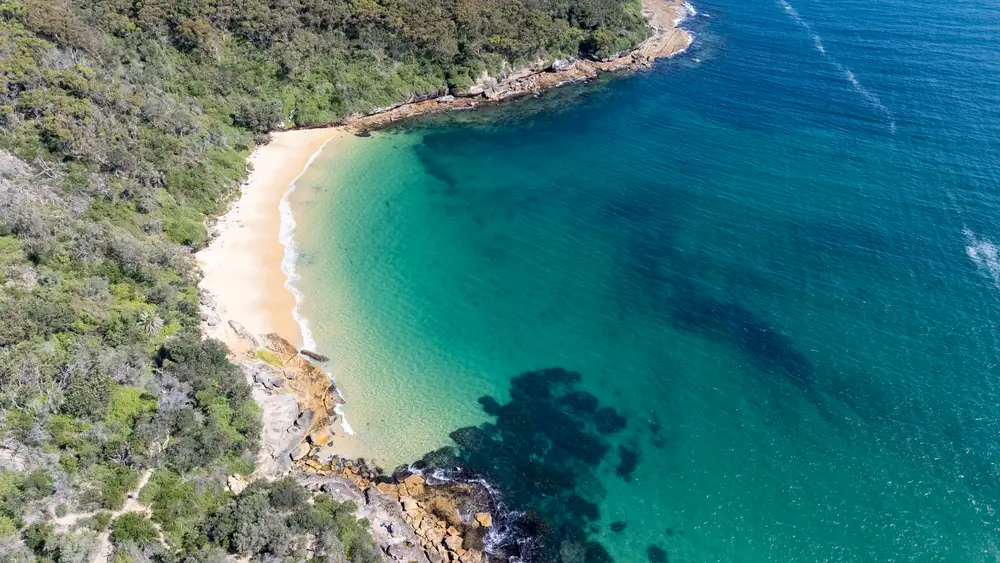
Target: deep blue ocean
(753, 292)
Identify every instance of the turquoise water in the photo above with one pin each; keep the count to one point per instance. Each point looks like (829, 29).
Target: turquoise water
(773, 256)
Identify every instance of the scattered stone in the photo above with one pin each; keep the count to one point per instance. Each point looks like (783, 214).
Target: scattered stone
(484, 519)
(453, 531)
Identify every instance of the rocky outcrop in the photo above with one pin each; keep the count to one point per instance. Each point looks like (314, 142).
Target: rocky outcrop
(297, 399)
(386, 521)
(313, 355)
(307, 382)
(666, 40)
(443, 521)
(15, 456)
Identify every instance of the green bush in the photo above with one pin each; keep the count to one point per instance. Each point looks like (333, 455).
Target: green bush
(133, 528)
(137, 118)
(111, 484)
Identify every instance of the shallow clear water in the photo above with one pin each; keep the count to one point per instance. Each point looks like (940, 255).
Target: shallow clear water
(774, 256)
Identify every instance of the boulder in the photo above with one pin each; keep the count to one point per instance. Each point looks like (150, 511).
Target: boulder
(300, 452)
(304, 420)
(389, 489)
(484, 519)
(319, 438)
(414, 485)
(314, 355)
(244, 333)
(211, 318)
(446, 99)
(561, 65)
(409, 505)
(236, 484)
(454, 543)
(260, 373)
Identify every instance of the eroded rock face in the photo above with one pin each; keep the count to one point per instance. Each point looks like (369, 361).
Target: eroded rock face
(388, 526)
(297, 398)
(310, 385)
(445, 521)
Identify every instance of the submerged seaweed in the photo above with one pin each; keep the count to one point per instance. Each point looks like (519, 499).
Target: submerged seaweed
(544, 453)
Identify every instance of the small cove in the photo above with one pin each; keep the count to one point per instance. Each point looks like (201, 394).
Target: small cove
(787, 294)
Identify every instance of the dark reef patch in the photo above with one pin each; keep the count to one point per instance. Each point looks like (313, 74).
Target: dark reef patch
(544, 453)
(657, 554)
(619, 526)
(629, 459)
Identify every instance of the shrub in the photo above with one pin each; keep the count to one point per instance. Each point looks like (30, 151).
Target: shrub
(133, 528)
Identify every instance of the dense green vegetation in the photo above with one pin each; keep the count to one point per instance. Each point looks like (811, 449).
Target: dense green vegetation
(124, 125)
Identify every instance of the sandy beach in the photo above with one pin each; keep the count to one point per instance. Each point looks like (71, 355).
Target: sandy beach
(242, 265)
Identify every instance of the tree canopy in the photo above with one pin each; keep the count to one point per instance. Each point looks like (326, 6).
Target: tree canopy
(124, 126)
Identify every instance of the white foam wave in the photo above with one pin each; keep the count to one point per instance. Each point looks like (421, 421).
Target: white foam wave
(873, 100)
(690, 9)
(286, 236)
(984, 254)
(346, 426)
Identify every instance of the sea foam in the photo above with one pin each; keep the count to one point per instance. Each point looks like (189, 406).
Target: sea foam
(286, 237)
(984, 254)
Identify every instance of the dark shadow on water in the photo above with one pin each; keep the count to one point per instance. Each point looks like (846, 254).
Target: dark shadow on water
(545, 453)
(763, 346)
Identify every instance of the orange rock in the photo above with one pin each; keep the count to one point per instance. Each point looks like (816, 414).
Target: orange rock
(319, 438)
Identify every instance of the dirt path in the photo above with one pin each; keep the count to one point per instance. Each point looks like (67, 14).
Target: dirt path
(103, 551)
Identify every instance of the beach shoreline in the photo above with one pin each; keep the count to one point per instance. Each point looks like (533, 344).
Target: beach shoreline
(250, 301)
(246, 267)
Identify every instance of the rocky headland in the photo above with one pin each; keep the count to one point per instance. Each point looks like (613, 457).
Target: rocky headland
(411, 519)
(666, 40)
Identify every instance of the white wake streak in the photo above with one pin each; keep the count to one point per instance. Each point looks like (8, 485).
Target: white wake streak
(848, 74)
